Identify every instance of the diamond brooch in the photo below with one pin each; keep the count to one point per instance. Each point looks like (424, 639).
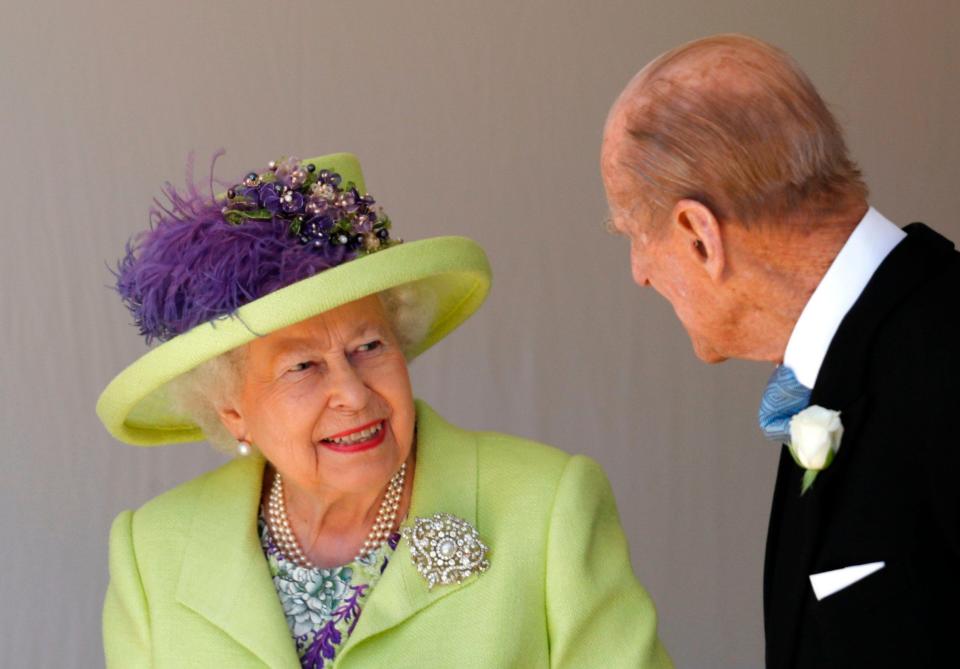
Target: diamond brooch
(446, 549)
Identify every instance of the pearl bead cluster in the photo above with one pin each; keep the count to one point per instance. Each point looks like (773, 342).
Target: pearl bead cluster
(382, 527)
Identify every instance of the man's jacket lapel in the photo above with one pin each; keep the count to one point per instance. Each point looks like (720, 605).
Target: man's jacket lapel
(796, 522)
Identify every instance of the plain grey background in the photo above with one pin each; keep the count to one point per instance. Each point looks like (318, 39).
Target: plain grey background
(474, 118)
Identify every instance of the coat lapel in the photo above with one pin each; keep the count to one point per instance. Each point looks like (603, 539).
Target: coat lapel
(796, 521)
(445, 479)
(224, 576)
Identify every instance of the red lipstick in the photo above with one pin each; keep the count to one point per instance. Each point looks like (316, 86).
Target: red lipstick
(357, 446)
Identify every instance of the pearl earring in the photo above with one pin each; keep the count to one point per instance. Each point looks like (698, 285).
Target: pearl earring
(243, 448)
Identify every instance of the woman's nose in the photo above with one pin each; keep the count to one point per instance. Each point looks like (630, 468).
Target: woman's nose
(348, 391)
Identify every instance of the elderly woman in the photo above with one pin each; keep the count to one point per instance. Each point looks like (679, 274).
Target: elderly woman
(354, 527)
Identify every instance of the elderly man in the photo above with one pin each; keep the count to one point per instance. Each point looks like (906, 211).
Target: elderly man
(732, 181)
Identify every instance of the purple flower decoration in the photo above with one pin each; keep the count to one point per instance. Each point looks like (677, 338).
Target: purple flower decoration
(291, 202)
(319, 223)
(349, 200)
(275, 198)
(291, 173)
(365, 223)
(269, 195)
(315, 205)
(244, 198)
(203, 258)
(328, 177)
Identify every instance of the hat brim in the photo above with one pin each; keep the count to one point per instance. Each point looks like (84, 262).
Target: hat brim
(135, 407)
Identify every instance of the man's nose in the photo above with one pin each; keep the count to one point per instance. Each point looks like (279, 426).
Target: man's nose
(640, 276)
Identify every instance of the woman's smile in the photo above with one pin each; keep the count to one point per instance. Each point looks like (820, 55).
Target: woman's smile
(358, 439)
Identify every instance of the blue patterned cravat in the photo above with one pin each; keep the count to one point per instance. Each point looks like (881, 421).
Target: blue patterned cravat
(782, 400)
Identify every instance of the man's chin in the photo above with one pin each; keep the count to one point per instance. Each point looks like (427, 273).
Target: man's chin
(707, 354)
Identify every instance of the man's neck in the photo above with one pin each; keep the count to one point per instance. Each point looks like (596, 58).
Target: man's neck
(784, 263)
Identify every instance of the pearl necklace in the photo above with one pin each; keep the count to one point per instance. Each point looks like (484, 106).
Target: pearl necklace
(380, 532)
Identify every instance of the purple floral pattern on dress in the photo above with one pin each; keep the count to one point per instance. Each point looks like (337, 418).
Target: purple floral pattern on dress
(323, 606)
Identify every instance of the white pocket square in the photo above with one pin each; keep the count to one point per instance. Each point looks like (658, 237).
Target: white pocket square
(829, 582)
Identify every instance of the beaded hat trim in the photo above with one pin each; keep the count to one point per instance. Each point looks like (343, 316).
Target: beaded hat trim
(316, 209)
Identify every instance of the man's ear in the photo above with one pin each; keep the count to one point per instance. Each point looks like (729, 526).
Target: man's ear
(699, 231)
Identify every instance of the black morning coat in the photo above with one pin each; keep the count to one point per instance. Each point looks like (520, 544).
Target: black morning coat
(892, 493)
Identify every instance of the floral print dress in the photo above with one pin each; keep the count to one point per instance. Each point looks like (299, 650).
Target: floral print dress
(323, 605)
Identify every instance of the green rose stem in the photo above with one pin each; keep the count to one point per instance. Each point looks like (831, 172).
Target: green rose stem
(810, 475)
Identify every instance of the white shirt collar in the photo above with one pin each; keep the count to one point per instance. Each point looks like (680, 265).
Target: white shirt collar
(868, 246)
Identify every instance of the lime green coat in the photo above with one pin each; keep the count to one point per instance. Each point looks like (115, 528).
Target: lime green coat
(190, 587)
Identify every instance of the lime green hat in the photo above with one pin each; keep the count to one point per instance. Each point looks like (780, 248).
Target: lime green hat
(201, 297)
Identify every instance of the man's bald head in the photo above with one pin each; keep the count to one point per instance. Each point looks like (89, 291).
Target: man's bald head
(733, 123)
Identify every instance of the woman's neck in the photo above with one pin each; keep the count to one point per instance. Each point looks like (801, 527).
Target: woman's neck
(331, 526)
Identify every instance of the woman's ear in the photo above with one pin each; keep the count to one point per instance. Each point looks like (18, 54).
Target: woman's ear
(700, 233)
(232, 419)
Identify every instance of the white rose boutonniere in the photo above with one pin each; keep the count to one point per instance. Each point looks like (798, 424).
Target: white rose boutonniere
(815, 435)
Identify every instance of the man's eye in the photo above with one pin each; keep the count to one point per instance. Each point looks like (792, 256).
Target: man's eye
(301, 367)
(369, 346)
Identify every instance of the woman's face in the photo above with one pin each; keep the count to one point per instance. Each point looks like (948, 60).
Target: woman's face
(328, 401)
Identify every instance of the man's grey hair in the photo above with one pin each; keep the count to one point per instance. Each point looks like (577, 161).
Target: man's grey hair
(197, 394)
(758, 142)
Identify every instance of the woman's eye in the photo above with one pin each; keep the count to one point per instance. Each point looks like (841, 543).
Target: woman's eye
(301, 367)
(369, 346)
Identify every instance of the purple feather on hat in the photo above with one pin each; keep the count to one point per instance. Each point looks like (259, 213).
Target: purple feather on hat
(192, 266)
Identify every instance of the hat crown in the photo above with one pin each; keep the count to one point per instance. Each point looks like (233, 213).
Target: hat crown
(206, 256)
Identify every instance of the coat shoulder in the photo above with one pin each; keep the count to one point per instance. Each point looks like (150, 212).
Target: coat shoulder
(519, 473)
(917, 342)
(168, 515)
(521, 456)
(503, 460)
(935, 300)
